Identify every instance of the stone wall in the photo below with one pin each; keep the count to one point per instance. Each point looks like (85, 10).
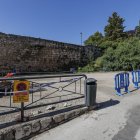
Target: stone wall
(34, 54)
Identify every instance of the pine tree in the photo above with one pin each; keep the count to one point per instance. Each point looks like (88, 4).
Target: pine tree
(114, 29)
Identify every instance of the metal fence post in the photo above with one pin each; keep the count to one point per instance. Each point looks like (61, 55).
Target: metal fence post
(32, 92)
(40, 90)
(22, 111)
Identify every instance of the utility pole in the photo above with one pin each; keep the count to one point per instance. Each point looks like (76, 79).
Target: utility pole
(81, 38)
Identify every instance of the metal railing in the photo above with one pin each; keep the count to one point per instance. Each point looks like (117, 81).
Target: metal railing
(44, 90)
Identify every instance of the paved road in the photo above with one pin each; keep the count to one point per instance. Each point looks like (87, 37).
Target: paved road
(118, 119)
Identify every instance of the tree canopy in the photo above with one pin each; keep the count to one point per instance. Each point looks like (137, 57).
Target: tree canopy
(120, 48)
(94, 39)
(115, 28)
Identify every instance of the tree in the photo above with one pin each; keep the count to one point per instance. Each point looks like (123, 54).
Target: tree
(94, 39)
(114, 29)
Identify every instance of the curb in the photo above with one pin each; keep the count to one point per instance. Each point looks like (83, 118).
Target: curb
(29, 129)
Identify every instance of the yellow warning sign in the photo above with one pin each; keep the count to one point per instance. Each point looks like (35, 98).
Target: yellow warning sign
(21, 91)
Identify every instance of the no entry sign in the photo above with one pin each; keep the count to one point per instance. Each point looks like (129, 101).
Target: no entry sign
(21, 91)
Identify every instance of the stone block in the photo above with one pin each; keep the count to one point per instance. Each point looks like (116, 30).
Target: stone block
(19, 133)
(27, 129)
(77, 112)
(83, 110)
(36, 126)
(69, 115)
(9, 135)
(22, 131)
(59, 118)
(45, 123)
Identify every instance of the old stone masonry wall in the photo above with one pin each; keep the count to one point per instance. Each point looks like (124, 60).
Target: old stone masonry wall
(22, 53)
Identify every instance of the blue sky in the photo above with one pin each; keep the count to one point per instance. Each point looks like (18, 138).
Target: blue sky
(63, 20)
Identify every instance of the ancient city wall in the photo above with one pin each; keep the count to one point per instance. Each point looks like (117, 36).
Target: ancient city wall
(34, 54)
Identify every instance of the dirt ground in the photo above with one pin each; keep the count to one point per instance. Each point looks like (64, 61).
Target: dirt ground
(57, 91)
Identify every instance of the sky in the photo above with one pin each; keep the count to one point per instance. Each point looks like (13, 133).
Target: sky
(64, 20)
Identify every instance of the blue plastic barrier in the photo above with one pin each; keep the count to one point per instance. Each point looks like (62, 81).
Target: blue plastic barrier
(121, 81)
(136, 78)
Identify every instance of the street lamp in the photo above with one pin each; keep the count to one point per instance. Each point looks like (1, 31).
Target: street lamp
(81, 38)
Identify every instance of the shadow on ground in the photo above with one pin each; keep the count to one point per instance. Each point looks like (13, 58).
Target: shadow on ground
(106, 104)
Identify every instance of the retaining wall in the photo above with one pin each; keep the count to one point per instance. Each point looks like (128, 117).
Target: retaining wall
(29, 129)
(28, 54)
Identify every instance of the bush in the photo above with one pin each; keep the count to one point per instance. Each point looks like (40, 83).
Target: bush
(124, 57)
